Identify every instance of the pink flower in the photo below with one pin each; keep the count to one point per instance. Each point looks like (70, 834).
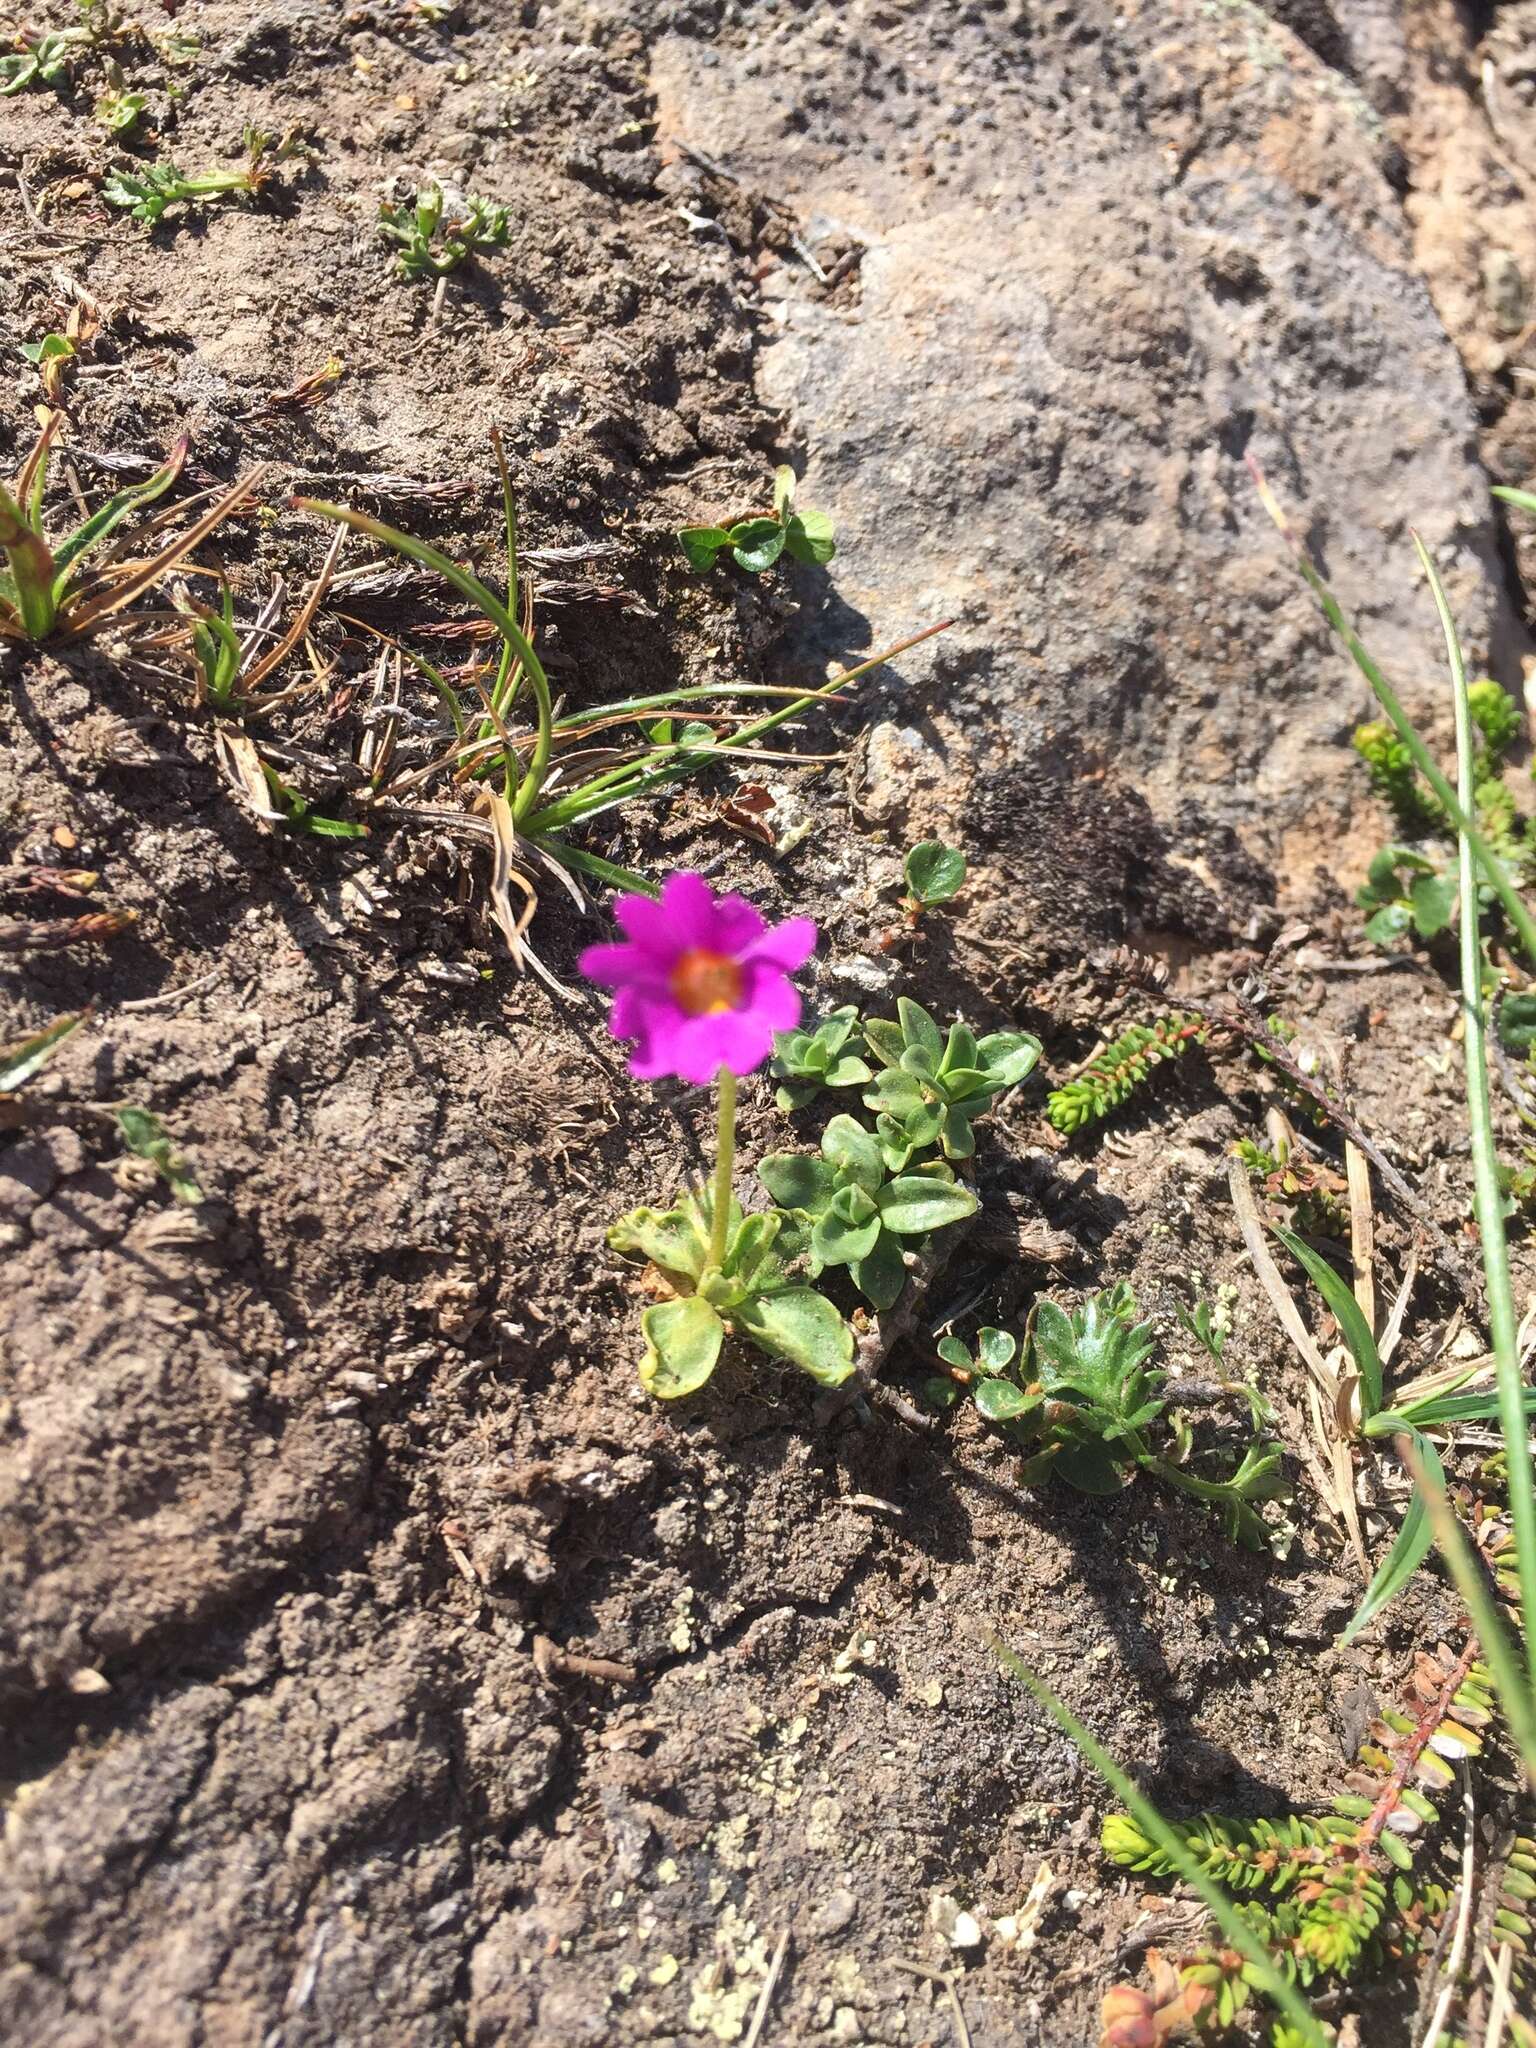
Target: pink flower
(703, 983)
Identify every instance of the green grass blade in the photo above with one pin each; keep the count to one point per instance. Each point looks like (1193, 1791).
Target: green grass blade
(1487, 1201)
(1353, 1327)
(468, 585)
(1442, 1409)
(111, 515)
(1493, 868)
(600, 870)
(1415, 1539)
(1156, 1829)
(19, 1062)
(501, 697)
(31, 569)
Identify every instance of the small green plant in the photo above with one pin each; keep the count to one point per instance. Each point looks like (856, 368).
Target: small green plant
(44, 590)
(146, 190)
(808, 1061)
(24, 1057)
(435, 234)
(118, 108)
(846, 1211)
(935, 874)
(38, 60)
(1083, 1403)
(933, 1086)
(757, 541)
(1325, 1894)
(1406, 891)
(145, 1135)
(1112, 1076)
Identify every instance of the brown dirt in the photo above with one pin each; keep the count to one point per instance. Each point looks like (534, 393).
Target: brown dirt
(294, 1482)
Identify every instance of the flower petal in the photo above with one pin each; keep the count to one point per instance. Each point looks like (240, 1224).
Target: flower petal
(617, 966)
(688, 905)
(727, 1038)
(770, 998)
(785, 946)
(651, 926)
(737, 924)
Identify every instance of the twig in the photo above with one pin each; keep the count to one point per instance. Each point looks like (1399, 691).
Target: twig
(947, 1980)
(550, 1661)
(1464, 1896)
(765, 1996)
(1362, 1232)
(172, 995)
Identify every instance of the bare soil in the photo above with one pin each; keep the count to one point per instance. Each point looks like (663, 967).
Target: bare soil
(311, 1493)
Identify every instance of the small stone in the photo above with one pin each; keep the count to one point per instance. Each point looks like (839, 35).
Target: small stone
(835, 1912)
(949, 1919)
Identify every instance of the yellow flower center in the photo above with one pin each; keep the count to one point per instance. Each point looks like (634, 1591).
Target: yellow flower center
(705, 982)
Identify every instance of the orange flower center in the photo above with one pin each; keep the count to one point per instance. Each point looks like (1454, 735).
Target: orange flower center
(705, 982)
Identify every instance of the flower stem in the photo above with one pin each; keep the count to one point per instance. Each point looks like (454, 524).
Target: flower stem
(725, 1161)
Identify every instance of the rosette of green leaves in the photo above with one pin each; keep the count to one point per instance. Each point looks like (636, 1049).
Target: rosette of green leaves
(1405, 891)
(808, 1061)
(40, 61)
(750, 1292)
(934, 1087)
(848, 1213)
(983, 1371)
(1089, 1400)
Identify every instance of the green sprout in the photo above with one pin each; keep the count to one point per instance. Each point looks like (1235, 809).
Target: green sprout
(39, 60)
(1406, 891)
(145, 1135)
(24, 1057)
(932, 1088)
(749, 1291)
(1085, 1405)
(43, 590)
(757, 541)
(935, 873)
(808, 1061)
(848, 1212)
(434, 238)
(118, 109)
(145, 191)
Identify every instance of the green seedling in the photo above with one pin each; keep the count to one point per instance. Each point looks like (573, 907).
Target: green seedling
(932, 1088)
(146, 190)
(1406, 891)
(1085, 1405)
(145, 1135)
(995, 1352)
(757, 541)
(845, 1210)
(118, 109)
(48, 357)
(300, 815)
(39, 60)
(749, 1291)
(935, 874)
(44, 589)
(435, 234)
(808, 1061)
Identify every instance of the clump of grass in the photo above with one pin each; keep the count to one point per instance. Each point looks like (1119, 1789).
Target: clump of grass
(46, 591)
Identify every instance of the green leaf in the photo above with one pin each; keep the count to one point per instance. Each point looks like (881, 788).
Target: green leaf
(917, 1203)
(672, 1239)
(701, 544)
(895, 1090)
(682, 1344)
(808, 537)
(749, 1252)
(954, 1353)
(881, 1277)
(956, 1135)
(995, 1350)
(798, 1180)
(918, 1028)
(854, 1151)
(847, 1229)
(144, 1134)
(783, 491)
(801, 1325)
(848, 1072)
(21, 1060)
(1094, 1352)
(1414, 1539)
(1388, 924)
(757, 544)
(1433, 898)
(1008, 1057)
(1353, 1327)
(1002, 1401)
(935, 872)
(885, 1040)
(1517, 1023)
(1091, 1468)
(1441, 1409)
